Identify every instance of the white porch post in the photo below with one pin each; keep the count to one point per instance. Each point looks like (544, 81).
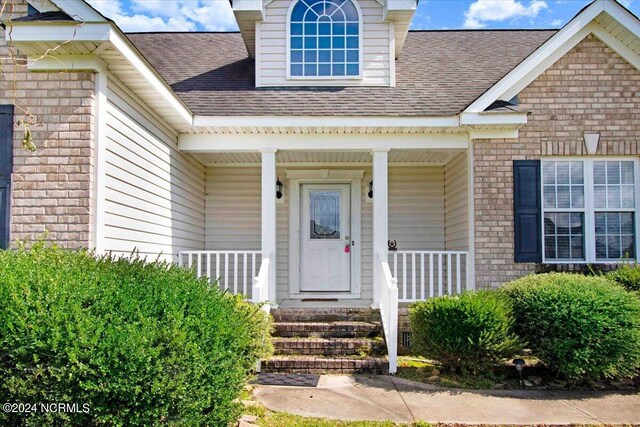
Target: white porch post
(380, 218)
(269, 217)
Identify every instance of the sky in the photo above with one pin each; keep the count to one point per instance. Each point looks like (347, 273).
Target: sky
(216, 15)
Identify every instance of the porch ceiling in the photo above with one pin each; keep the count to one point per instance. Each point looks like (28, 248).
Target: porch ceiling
(310, 158)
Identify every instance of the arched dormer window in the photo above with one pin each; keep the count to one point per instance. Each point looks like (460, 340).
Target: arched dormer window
(324, 39)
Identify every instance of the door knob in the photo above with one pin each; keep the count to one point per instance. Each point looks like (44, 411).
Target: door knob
(347, 237)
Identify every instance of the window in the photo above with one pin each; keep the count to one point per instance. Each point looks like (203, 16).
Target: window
(589, 210)
(324, 39)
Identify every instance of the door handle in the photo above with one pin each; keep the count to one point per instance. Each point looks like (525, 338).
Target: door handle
(347, 237)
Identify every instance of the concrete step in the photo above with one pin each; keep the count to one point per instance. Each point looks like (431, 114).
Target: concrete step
(325, 365)
(298, 315)
(329, 346)
(328, 329)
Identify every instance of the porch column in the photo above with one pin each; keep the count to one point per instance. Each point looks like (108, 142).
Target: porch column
(380, 218)
(269, 216)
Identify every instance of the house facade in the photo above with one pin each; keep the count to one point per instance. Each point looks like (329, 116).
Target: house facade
(325, 156)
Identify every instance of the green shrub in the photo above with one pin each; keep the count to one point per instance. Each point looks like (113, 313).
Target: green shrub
(139, 343)
(465, 333)
(627, 275)
(582, 327)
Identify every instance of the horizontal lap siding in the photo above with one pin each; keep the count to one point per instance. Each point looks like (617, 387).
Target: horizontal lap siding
(233, 200)
(375, 44)
(154, 194)
(457, 203)
(416, 207)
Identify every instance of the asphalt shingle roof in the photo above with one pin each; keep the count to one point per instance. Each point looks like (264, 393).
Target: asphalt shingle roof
(438, 74)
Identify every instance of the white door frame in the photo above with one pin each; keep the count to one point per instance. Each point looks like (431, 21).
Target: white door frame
(325, 176)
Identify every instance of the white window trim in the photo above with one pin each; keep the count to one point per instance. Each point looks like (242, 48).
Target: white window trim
(589, 208)
(311, 79)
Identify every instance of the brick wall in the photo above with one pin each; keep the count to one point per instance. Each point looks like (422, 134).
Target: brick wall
(590, 89)
(52, 187)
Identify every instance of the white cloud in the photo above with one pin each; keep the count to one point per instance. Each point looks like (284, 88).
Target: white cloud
(163, 15)
(626, 3)
(556, 22)
(481, 11)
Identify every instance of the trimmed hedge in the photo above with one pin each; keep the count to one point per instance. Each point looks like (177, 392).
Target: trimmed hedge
(465, 333)
(140, 343)
(628, 276)
(582, 327)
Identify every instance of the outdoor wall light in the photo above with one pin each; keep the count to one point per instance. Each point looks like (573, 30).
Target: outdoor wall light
(519, 364)
(591, 141)
(279, 188)
(370, 193)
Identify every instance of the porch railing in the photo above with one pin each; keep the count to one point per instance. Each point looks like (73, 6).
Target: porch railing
(234, 270)
(261, 284)
(428, 274)
(389, 313)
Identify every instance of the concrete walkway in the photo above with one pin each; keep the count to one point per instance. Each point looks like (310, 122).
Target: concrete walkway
(389, 398)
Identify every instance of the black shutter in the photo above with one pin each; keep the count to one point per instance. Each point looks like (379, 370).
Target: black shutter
(6, 167)
(527, 211)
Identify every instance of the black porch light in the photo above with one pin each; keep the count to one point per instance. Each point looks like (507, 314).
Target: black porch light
(370, 193)
(279, 188)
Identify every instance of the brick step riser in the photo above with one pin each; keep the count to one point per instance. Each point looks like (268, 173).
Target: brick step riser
(325, 315)
(326, 334)
(329, 349)
(327, 330)
(325, 367)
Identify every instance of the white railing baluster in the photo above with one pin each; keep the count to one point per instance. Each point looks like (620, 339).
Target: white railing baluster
(404, 276)
(431, 275)
(440, 275)
(226, 271)
(414, 294)
(209, 266)
(199, 264)
(449, 272)
(244, 273)
(218, 277)
(458, 281)
(190, 259)
(395, 264)
(422, 276)
(235, 273)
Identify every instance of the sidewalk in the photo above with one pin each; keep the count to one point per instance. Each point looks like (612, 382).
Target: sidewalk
(399, 400)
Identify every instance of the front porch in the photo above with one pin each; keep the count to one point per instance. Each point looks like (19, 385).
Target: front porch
(332, 230)
(413, 201)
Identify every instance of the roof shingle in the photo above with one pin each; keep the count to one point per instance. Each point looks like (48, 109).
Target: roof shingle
(438, 74)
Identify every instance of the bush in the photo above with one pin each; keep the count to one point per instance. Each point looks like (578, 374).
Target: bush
(465, 333)
(628, 276)
(139, 343)
(582, 327)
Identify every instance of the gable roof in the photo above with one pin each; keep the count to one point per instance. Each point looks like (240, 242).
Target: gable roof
(439, 74)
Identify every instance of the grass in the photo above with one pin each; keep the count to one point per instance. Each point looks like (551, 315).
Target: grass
(267, 418)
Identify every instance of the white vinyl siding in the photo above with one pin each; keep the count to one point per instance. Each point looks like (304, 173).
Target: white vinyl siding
(416, 215)
(154, 194)
(271, 62)
(456, 187)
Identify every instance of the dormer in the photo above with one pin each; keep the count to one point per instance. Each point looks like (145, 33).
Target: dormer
(324, 42)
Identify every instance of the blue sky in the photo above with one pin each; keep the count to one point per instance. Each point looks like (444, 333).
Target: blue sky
(216, 15)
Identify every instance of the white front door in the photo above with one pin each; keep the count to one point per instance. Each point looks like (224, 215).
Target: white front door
(325, 238)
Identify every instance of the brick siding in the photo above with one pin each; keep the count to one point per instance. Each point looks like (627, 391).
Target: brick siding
(590, 89)
(52, 187)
